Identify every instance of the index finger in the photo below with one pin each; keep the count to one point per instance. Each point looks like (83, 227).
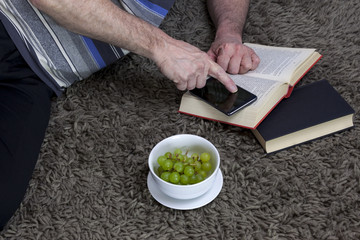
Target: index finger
(217, 72)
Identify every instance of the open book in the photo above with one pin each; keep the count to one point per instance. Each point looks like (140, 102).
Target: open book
(278, 72)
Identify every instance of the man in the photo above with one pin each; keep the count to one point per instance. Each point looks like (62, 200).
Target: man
(32, 71)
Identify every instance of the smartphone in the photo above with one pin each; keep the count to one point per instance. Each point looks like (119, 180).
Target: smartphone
(215, 94)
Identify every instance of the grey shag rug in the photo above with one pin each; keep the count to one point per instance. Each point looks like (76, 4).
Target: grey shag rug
(90, 180)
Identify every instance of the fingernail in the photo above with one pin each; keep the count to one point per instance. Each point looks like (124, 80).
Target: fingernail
(233, 89)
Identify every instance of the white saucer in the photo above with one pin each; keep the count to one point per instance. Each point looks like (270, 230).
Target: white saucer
(181, 204)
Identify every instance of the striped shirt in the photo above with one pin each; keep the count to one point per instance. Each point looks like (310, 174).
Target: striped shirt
(60, 57)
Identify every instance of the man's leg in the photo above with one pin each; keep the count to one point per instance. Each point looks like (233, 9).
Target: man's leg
(25, 103)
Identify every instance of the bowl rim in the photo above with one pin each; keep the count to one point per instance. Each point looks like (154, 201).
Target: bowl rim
(217, 167)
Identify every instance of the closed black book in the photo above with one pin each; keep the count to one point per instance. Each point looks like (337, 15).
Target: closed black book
(314, 110)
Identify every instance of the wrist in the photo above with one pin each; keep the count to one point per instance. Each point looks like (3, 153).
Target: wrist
(229, 30)
(161, 48)
(228, 33)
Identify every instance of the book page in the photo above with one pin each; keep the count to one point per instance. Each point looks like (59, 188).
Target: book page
(258, 86)
(278, 63)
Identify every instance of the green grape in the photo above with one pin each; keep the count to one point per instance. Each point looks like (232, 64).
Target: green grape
(206, 166)
(168, 155)
(184, 179)
(198, 177)
(165, 176)
(167, 165)
(189, 160)
(195, 156)
(189, 171)
(174, 177)
(161, 160)
(180, 157)
(197, 165)
(177, 151)
(205, 157)
(179, 167)
(160, 170)
(202, 173)
(193, 179)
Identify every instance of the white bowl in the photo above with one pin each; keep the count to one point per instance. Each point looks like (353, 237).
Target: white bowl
(192, 144)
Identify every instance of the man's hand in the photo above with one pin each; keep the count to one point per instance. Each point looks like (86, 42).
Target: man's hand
(234, 57)
(227, 49)
(188, 67)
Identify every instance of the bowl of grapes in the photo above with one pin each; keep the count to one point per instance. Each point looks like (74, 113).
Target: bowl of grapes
(184, 166)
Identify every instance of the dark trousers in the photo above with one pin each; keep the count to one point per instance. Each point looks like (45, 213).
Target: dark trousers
(25, 103)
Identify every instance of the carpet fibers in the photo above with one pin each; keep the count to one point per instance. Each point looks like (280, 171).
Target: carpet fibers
(90, 180)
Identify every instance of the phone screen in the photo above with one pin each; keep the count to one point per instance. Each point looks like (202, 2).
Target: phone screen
(215, 94)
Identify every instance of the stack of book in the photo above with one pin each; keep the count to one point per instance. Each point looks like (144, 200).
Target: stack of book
(277, 120)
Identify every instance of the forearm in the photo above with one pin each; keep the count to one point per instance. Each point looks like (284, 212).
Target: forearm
(103, 20)
(186, 65)
(229, 16)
